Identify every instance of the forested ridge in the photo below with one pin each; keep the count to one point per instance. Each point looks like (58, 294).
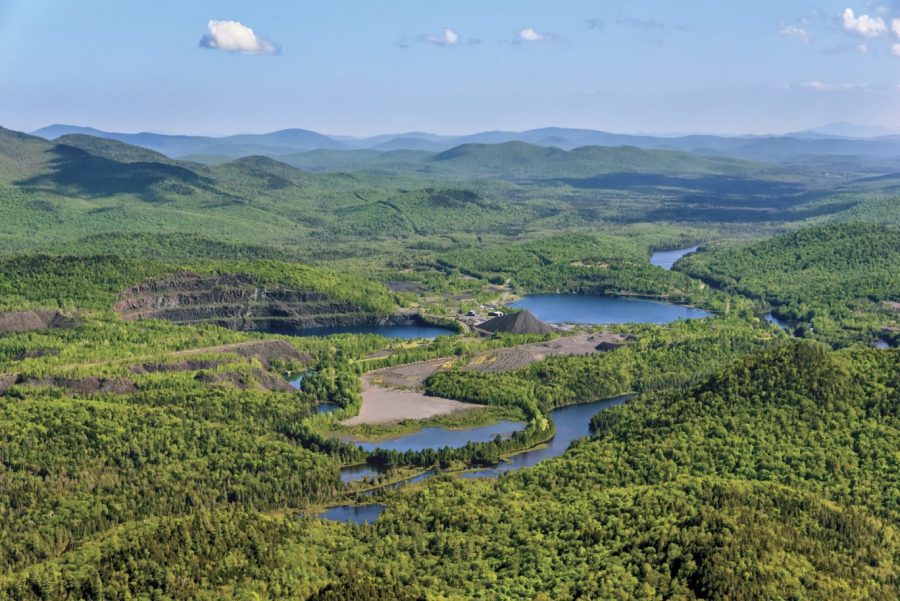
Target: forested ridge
(824, 279)
(774, 478)
(153, 447)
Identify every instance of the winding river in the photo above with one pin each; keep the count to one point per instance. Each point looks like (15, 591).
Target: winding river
(572, 422)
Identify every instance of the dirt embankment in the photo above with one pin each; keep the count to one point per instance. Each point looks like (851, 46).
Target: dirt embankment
(84, 385)
(6, 382)
(508, 359)
(257, 379)
(237, 302)
(264, 351)
(27, 321)
(393, 394)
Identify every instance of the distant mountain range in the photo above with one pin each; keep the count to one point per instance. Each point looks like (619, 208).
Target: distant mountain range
(834, 140)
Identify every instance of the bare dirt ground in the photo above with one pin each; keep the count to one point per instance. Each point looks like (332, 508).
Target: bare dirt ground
(393, 394)
(411, 376)
(508, 359)
(385, 405)
(264, 350)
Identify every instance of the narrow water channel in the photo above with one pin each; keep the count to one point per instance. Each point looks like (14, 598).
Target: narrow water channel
(572, 422)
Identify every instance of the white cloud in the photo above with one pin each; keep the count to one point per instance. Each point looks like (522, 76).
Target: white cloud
(863, 25)
(818, 86)
(792, 31)
(448, 37)
(895, 27)
(233, 36)
(895, 49)
(529, 34)
(862, 48)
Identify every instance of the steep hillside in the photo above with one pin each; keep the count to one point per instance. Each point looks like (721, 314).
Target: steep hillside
(22, 156)
(822, 277)
(195, 288)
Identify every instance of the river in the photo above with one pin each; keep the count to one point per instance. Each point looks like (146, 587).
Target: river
(666, 258)
(572, 422)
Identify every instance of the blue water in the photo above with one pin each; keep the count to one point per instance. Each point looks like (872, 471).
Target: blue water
(406, 332)
(667, 258)
(297, 382)
(323, 407)
(572, 422)
(777, 322)
(354, 473)
(882, 344)
(595, 309)
(436, 438)
(358, 514)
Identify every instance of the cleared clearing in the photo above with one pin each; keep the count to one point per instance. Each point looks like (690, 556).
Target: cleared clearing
(393, 394)
(385, 405)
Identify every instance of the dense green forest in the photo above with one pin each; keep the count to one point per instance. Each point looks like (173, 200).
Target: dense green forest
(710, 492)
(827, 280)
(152, 447)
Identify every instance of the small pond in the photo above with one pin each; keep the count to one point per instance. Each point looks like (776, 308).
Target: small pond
(777, 322)
(357, 514)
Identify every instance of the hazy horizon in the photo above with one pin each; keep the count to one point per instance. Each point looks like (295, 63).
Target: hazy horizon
(452, 68)
(344, 136)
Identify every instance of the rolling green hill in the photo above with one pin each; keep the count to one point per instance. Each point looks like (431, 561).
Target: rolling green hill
(824, 278)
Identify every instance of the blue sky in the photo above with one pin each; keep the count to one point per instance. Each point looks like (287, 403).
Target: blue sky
(365, 67)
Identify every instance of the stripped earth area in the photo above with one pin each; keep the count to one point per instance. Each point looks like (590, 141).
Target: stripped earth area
(394, 394)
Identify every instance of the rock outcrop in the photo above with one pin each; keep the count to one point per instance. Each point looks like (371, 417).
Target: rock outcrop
(238, 302)
(27, 321)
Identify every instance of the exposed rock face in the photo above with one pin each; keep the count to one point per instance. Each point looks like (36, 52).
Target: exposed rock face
(237, 302)
(26, 321)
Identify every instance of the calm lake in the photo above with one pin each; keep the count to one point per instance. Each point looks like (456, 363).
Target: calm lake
(596, 309)
(667, 258)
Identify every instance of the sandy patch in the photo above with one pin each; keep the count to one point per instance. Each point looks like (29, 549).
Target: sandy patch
(385, 405)
(393, 394)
